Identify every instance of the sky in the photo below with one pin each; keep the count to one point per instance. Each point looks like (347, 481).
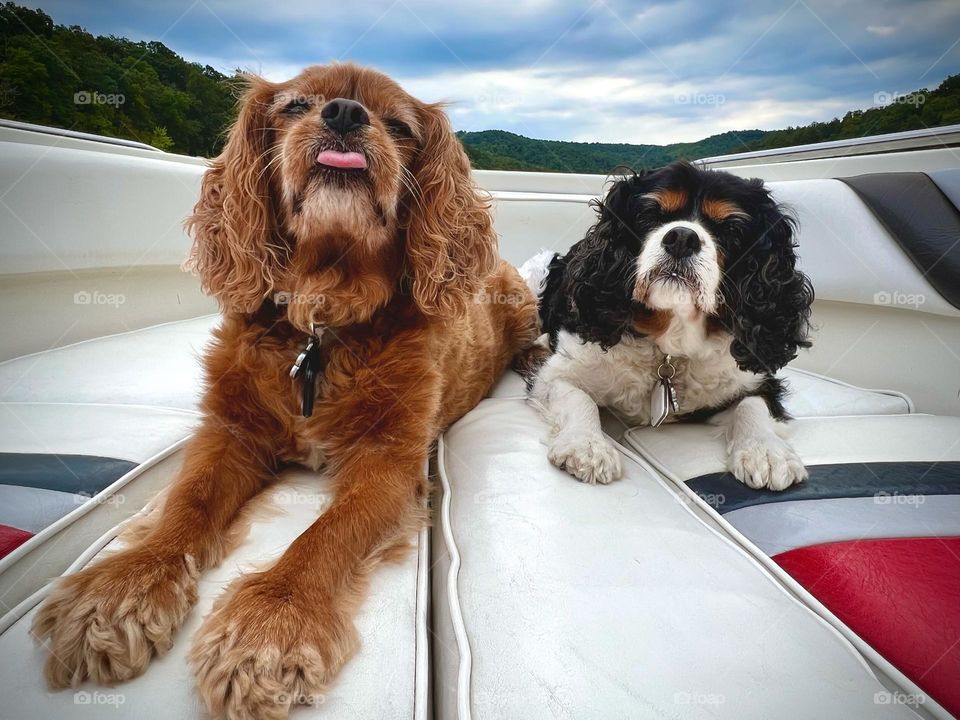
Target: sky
(604, 71)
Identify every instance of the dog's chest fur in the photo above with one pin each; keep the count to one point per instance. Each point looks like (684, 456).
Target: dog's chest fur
(623, 378)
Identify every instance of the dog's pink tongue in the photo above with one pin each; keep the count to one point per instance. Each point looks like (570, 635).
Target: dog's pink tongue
(342, 159)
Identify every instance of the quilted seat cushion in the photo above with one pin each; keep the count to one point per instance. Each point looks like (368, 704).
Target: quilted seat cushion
(70, 471)
(385, 679)
(863, 534)
(553, 598)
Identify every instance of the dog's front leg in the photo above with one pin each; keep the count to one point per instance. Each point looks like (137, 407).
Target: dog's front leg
(107, 621)
(758, 456)
(576, 443)
(277, 637)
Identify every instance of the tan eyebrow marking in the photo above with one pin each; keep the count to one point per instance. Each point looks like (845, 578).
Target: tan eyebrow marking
(668, 200)
(719, 210)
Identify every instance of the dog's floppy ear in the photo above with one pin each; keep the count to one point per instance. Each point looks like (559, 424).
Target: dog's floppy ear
(601, 267)
(768, 301)
(236, 245)
(451, 246)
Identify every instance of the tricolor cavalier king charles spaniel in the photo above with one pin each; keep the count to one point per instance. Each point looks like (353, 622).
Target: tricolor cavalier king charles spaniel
(349, 249)
(680, 303)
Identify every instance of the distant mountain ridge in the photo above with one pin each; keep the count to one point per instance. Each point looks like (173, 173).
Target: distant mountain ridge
(502, 150)
(923, 108)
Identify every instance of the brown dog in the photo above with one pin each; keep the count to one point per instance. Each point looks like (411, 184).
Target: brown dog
(351, 201)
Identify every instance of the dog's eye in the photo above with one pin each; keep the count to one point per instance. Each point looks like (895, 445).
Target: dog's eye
(398, 128)
(297, 106)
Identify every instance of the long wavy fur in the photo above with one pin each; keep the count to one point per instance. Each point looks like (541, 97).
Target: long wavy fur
(768, 310)
(238, 250)
(588, 292)
(450, 242)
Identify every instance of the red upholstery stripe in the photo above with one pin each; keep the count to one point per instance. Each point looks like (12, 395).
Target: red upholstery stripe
(11, 538)
(901, 595)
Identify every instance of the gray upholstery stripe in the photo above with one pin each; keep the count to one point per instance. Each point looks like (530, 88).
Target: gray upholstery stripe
(85, 474)
(726, 494)
(33, 509)
(778, 527)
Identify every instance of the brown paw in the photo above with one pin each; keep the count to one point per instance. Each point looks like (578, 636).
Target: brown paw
(107, 621)
(267, 646)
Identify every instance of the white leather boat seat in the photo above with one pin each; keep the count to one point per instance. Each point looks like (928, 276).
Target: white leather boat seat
(553, 598)
(873, 534)
(69, 471)
(137, 405)
(385, 679)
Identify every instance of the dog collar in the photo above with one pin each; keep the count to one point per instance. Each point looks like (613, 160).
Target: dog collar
(308, 364)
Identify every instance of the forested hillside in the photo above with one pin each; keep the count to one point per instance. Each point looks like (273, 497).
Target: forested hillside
(911, 111)
(54, 75)
(501, 150)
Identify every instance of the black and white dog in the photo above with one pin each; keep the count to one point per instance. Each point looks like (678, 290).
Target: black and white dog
(680, 303)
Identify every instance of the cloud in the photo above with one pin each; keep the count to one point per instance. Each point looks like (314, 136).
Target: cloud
(606, 70)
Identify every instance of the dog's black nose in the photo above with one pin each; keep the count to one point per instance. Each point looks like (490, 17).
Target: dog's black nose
(342, 115)
(681, 242)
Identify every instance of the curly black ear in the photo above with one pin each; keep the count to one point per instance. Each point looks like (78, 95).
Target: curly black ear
(594, 295)
(767, 299)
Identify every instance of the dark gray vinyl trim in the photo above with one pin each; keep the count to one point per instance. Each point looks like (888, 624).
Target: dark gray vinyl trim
(80, 474)
(921, 219)
(875, 479)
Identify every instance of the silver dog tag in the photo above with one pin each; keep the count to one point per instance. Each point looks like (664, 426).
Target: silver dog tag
(661, 402)
(663, 399)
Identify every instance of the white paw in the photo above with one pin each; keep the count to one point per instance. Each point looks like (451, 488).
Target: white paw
(592, 459)
(766, 463)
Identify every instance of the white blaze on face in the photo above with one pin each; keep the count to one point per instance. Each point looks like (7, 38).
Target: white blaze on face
(664, 293)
